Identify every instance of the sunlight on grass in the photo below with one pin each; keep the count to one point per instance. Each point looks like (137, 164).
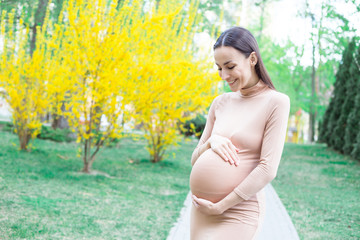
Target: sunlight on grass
(321, 190)
(45, 196)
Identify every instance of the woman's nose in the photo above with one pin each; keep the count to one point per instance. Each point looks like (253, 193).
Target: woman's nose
(224, 75)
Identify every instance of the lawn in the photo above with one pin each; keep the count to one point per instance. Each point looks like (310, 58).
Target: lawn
(321, 191)
(43, 195)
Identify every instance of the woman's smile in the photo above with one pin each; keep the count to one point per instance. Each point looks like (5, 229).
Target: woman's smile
(235, 68)
(232, 82)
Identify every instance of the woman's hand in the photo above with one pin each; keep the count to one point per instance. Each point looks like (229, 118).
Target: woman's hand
(210, 208)
(206, 207)
(224, 147)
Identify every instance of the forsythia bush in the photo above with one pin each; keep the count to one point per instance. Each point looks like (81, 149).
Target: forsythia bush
(94, 54)
(112, 61)
(166, 83)
(23, 77)
(129, 57)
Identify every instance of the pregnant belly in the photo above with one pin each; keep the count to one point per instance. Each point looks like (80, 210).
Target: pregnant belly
(212, 178)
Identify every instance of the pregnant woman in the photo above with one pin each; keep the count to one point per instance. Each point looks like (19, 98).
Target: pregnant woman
(241, 146)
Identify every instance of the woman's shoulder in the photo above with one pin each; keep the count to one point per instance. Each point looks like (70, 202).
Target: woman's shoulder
(277, 98)
(226, 95)
(219, 99)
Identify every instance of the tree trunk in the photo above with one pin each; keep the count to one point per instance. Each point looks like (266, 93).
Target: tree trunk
(24, 138)
(313, 99)
(262, 16)
(60, 121)
(119, 3)
(157, 4)
(157, 157)
(87, 162)
(157, 148)
(39, 20)
(58, 8)
(312, 114)
(87, 167)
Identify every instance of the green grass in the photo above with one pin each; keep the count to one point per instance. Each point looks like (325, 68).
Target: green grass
(43, 194)
(321, 191)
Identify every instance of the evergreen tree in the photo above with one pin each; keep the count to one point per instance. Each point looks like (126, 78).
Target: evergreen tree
(352, 124)
(337, 121)
(356, 150)
(356, 146)
(324, 132)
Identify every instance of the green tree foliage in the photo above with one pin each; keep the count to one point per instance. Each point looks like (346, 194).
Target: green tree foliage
(339, 115)
(352, 143)
(287, 73)
(215, 15)
(324, 134)
(330, 33)
(336, 120)
(356, 150)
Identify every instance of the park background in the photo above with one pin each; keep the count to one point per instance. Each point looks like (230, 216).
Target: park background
(103, 102)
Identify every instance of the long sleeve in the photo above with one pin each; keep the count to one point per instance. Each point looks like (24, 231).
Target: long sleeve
(271, 150)
(207, 131)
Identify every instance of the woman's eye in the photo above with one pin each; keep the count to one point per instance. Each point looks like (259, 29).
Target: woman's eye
(231, 67)
(219, 69)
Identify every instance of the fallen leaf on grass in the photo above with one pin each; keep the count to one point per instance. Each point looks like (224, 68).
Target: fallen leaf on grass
(62, 157)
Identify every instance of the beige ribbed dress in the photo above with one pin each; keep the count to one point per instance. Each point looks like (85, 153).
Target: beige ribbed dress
(255, 120)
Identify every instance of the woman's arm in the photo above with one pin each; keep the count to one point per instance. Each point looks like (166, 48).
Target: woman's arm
(271, 149)
(204, 143)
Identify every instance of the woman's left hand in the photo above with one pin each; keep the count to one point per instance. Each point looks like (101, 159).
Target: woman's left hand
(206, 206)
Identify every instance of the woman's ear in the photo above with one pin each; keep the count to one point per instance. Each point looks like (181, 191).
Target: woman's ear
(253, 58)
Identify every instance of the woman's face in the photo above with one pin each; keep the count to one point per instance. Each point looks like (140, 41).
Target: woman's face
(237, 70)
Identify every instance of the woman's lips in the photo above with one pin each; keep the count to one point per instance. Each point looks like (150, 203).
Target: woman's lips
(231, 83)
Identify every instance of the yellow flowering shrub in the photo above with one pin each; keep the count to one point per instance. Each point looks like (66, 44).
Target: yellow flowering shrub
(169, 86)
(23, 77)
(94, 59)
(112, 64)
(134, 58)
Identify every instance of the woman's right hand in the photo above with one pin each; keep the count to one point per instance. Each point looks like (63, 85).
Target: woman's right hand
(224, 147)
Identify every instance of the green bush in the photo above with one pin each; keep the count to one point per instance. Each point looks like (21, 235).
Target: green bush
(194, 126)
(343, 99)
(7, 126)
(352, 123)
(341, 104)
(56, 135)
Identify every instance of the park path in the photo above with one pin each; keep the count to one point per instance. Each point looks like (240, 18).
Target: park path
(277, 223)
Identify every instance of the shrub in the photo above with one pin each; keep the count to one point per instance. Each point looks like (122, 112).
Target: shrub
(7, 126)
(352, 122)
(56, 135)
(194, 126)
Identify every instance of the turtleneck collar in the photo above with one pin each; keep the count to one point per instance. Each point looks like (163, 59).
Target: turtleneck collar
(259, 87)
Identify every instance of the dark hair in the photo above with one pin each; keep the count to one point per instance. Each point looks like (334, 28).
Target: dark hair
(242, 40)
